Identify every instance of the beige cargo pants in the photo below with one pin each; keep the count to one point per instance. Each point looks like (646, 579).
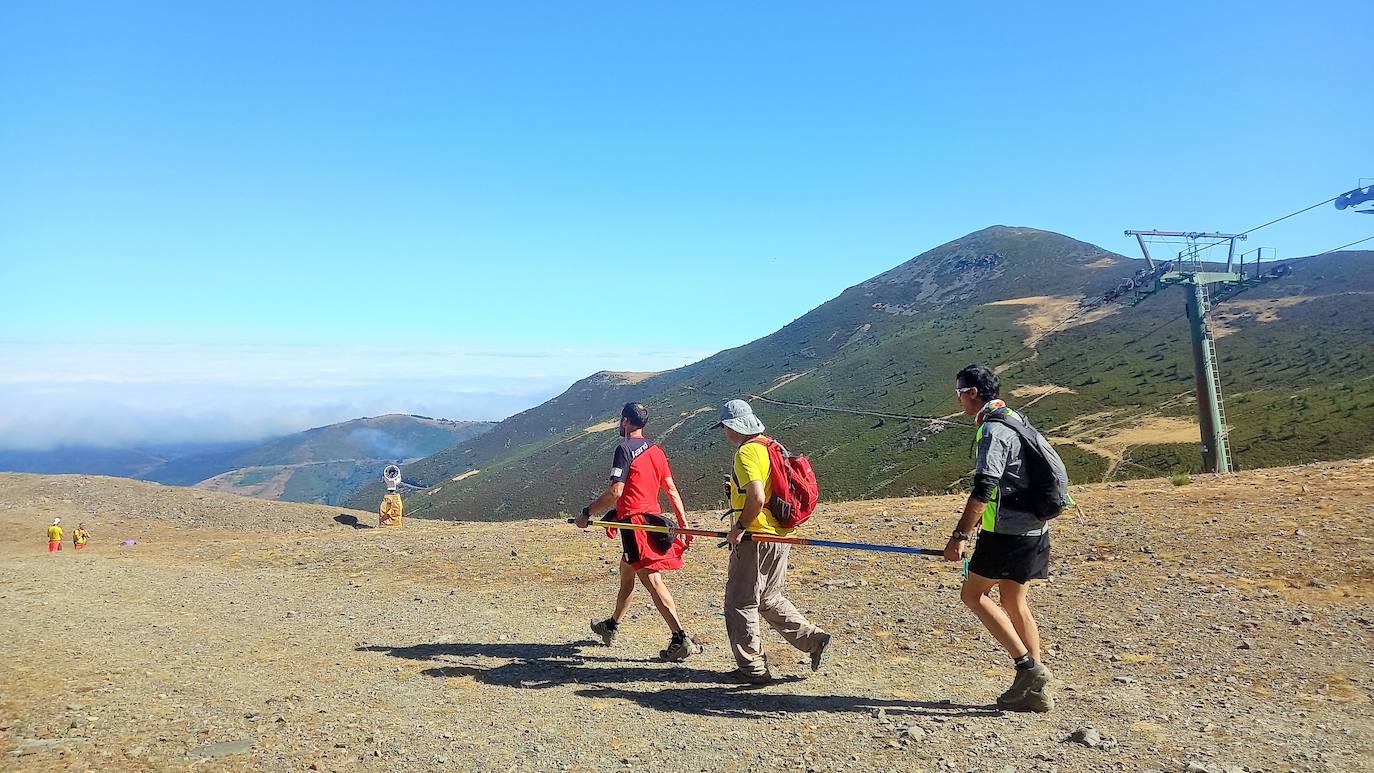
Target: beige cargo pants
(753, 589)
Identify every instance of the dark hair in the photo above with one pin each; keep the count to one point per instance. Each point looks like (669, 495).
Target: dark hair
(636, 414)
(982, 377)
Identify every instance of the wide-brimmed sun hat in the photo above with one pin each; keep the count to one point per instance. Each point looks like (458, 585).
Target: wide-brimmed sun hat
(737, 415)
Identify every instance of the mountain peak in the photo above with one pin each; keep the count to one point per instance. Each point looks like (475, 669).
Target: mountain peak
(623, 376)
(995, 263)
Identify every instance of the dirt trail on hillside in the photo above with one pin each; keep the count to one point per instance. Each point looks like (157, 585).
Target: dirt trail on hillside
(1223, 625)
(1044, 314)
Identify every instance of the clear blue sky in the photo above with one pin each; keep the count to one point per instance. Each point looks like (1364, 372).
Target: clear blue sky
(485, 180)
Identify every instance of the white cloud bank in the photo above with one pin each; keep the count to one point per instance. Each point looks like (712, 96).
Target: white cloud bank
(128, 395)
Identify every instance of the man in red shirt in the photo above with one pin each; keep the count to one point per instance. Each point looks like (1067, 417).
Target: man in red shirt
(638, 472)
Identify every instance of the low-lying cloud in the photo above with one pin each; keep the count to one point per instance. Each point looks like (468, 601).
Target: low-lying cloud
(126, 396)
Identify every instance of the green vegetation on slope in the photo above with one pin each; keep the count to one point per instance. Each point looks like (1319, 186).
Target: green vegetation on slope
(892, 344)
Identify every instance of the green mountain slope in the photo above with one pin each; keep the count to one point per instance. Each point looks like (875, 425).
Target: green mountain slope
(326, 464)
(848, 383)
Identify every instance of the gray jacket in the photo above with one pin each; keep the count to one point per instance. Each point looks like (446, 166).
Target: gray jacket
(1001, 470)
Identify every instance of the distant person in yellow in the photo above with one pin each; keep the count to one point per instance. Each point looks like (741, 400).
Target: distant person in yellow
(55, 536)
(392, 506)
(758, 570)
(80, 537)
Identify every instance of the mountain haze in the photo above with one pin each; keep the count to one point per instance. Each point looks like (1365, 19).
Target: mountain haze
(82, 460)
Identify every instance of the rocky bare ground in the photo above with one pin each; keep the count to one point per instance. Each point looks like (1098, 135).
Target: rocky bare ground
(1222, 625)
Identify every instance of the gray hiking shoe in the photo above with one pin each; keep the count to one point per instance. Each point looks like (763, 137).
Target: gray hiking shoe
(822, 653)
(604, 629)
(751, 678)
(680, 648)
(1029, 691)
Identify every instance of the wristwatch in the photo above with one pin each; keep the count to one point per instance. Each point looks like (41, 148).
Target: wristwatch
(962, 536)
(586, 512)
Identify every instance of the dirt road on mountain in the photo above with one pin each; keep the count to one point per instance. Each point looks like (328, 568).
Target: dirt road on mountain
(1222, 625)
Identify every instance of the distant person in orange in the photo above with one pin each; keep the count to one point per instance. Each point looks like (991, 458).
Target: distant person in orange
(80, 537)
(55, 536)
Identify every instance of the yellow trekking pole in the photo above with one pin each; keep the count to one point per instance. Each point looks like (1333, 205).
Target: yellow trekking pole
(749, 535)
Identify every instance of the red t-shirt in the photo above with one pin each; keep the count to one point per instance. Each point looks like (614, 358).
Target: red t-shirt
(642, 467)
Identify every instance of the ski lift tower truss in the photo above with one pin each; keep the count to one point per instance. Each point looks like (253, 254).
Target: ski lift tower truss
(1188, 270)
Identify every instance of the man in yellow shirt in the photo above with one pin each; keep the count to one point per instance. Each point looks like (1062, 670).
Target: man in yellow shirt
(55, 536)
(758, 570)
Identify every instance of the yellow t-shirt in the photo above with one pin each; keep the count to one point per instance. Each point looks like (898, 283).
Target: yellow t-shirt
(751, 463)
(80, 536)
(54, 533)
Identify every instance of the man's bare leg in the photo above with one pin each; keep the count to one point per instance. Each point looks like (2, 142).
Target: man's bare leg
(1016, 604)
(663, 599)
(975, 596)
(627, 589)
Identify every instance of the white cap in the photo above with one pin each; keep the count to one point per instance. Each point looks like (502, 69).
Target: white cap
(56, 521)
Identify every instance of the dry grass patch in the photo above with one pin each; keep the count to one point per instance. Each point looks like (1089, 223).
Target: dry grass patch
(1040, 390)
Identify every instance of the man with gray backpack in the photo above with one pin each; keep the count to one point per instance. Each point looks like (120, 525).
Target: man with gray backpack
(1019, 484)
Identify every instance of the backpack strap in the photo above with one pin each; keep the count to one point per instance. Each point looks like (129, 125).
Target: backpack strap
(1008, 418)
(1030, 451)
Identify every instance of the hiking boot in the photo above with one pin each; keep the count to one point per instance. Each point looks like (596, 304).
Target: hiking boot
(1039, 701)
(821, 653)
(605, 629)
(751, 678)
(1029, 691)
(680, 647)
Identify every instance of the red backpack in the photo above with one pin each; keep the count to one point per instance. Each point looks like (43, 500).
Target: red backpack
(793, 482)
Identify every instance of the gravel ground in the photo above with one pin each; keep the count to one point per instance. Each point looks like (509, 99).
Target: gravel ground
(1222, 625)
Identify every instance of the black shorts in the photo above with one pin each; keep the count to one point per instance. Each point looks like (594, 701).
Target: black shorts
(1011, 557)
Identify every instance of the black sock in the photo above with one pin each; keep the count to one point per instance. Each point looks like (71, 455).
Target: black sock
(1023, 663)
(612, 623)
(680, 635)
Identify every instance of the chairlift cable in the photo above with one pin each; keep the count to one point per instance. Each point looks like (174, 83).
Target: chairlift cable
(1077, 313)
(1343, 246)
(1249, 231)
(1195, 252)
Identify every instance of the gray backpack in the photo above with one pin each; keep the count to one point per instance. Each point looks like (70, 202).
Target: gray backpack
(1047, 492)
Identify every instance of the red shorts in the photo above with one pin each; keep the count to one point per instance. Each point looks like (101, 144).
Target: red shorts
(54, 545)
(651, 550)
(80, 546)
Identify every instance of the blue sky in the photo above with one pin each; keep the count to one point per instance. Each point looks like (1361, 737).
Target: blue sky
(289, 213)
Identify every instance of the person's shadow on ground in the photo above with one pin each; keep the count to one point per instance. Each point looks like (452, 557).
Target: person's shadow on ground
(351, 520)
(540, 666)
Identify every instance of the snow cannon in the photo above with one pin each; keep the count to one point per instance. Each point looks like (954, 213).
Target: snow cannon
(392, 507)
